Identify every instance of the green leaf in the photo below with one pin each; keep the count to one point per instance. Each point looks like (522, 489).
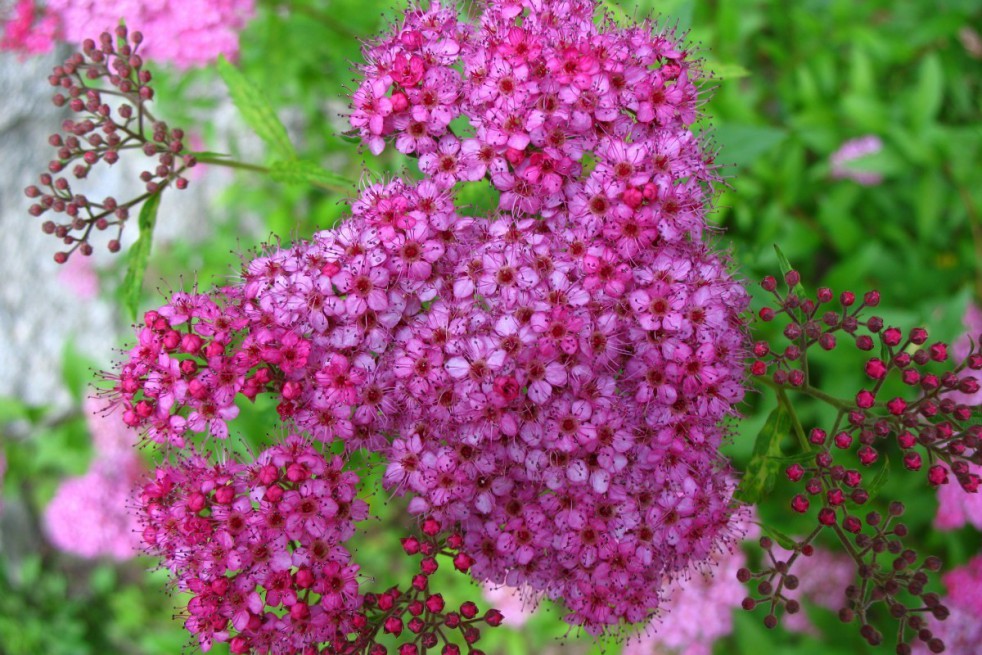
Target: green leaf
(783, 540)
(926, 99)
(139, 254)
(762, 470)
(782, 260)
(256, 110)
(743, 144)
(210, 154)
(724, 72)
(298, 171)
(12, 409)
(876, 484)
(76, 370)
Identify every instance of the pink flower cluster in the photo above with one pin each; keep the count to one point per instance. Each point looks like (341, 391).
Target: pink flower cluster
(568, 426)
(259, 546)
(88, 515)
(697, 608)
(186, 33)
(28, 29)
(549, 383)
(583, 125)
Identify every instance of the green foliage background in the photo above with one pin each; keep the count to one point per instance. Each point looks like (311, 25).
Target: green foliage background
(792, 82)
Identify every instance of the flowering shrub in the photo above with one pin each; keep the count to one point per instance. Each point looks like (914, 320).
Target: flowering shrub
(547, 387)
(549, 381)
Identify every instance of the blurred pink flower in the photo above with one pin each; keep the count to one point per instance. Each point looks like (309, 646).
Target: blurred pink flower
(972, 321)
(961, 632)
(185, 33)
(852, 150)
(110, 435)
(79, 276)
(516, 604)
(822, 579)
(29, 29)
(697, 610)
(88, 516)
(956, 507)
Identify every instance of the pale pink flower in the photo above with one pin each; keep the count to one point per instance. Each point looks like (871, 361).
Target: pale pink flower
(852, 150)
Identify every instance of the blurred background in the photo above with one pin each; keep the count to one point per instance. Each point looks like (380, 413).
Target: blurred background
(848, 132)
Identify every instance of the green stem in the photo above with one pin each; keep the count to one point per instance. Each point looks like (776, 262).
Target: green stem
(838, 403)
(231, 163)
(799, 431)
(255, 168)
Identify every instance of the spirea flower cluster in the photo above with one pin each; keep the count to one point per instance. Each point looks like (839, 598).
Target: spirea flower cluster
(186, 33)
(547, 385)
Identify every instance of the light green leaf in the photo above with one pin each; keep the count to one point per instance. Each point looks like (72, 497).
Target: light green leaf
(298, 171)
(256, 110)
(762, 470)
(782, 260)
(77, 371)
(926, 99)
(139, 254)
(930, 204)
(12, 409)
(724, 72)
(783, 540)
(743, 144)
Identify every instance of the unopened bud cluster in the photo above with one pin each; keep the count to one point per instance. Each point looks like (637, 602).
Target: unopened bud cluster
(888, 574)
(929, 426)
(933, 430)
(87, 82)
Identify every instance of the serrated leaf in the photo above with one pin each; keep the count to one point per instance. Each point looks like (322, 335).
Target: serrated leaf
(298, 171)
(764, 464)
(786, 267)
(139, 255)
(256, 110)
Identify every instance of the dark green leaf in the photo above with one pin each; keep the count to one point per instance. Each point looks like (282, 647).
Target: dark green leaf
(764, 465)
(139, 254)
(211, 154)
(876, 484)
(256, 110)
(298, 171)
